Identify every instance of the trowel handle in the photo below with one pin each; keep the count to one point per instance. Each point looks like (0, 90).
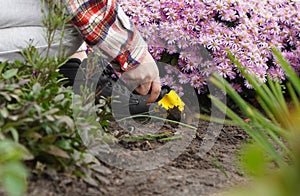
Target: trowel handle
(164, 90)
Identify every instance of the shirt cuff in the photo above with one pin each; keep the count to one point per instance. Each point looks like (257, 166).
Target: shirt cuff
(123, 46)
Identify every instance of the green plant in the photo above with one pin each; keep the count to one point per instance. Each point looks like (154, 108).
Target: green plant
(35, 108)
(13, 173)
(273, 157)
(167, 136)
(38, 114)
(263, 128)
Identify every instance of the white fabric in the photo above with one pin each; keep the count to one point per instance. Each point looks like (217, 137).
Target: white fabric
(21, 23)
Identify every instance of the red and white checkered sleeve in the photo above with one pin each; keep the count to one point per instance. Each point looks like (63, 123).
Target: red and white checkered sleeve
(104, 26)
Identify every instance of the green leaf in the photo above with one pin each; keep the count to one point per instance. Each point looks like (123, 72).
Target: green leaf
(9, 73)
(166, 58)
(50, 118)
(290, 72)
(4, 113)
(49, 139)
(14, 178)
(253, 159)
(171, 138)
(36, 88)
(2, 65)
(14, 134)
(59, 98)
(58, 152)
(174, 62)
(12, 151)
(294, 97)
(65, 119)
(64, 144)
(14, 106)
(6, 96)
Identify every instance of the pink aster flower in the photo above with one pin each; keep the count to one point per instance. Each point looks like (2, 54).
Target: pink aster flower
(248, 85)
(183, 78)
(225, 70)
(237, 87)
(171, 14)
(276, 74)
(246, 28)
(184, 55)
(229, 15)
(167, 80)
(172, 49)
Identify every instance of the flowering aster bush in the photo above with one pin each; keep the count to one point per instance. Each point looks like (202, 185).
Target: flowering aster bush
(178, 30)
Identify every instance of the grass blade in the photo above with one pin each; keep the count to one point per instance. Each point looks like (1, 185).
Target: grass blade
(291, 74)
(257, 135)
(294, 97)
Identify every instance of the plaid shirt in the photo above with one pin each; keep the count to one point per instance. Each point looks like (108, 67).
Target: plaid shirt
(104, 26)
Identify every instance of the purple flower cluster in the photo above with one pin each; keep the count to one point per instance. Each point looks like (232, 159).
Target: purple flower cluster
(246, 28)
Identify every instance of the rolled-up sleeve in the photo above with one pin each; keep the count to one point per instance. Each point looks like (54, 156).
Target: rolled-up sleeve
(109, 31)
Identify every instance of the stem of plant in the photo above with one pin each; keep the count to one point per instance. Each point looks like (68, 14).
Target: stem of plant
(158, 118)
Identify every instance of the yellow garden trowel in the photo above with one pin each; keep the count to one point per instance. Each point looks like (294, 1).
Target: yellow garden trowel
(168, 100)
(171, 102)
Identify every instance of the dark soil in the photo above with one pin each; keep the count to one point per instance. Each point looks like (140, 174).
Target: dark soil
(189, 174)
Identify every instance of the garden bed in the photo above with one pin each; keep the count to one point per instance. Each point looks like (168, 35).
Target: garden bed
(188, 174)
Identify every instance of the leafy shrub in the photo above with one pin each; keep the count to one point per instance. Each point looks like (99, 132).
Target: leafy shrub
(42, 116)
(177, 30)
(39, 116)
(35, 110)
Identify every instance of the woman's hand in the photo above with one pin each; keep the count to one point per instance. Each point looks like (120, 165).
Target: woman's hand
(144, 78)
